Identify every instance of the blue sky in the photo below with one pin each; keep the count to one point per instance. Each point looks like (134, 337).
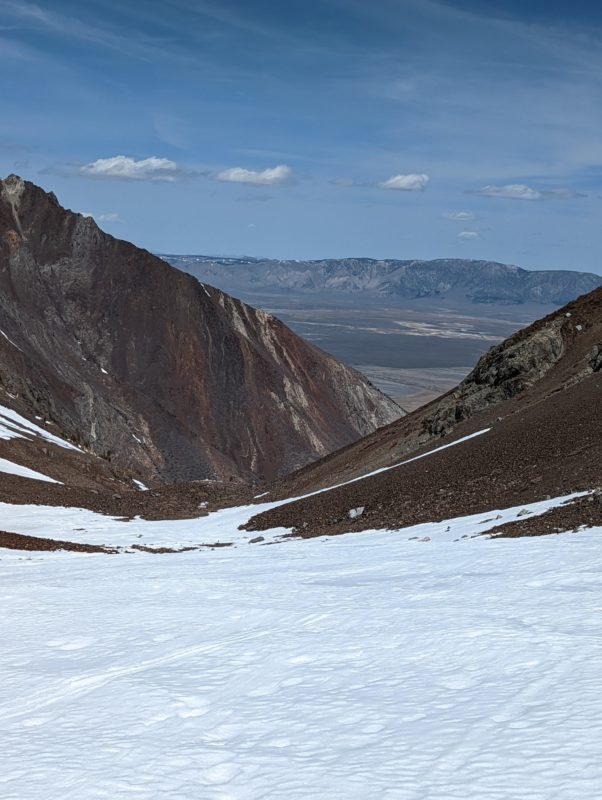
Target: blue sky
(392, 128)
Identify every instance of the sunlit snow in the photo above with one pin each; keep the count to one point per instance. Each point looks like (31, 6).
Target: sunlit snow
(359, 667)
(11, 468)
(14, 426)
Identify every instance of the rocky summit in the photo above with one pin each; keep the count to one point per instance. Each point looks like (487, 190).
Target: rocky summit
(165, 378)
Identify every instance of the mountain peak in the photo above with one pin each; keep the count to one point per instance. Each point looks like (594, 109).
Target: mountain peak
(149, 368)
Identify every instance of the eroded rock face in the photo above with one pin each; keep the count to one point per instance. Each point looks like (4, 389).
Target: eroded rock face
(153, 370)
(503, 372)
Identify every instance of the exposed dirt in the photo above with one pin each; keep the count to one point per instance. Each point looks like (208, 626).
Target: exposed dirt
(176, 501)
(17, 541)
(584, 512)
(555, 352)
(552, 447)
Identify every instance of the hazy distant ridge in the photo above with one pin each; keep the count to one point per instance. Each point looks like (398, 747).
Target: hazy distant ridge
(475, 281)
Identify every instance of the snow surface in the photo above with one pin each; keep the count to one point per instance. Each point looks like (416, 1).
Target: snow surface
(24, 472)
(430, 663)
(362, 667)
(14, 426)
(89, 527)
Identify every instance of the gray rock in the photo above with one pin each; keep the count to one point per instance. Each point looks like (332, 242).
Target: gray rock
(355, 513)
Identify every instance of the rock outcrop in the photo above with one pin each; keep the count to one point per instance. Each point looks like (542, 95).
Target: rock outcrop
(163, 376)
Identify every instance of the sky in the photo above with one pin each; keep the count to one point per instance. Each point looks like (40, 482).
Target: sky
(315, 128)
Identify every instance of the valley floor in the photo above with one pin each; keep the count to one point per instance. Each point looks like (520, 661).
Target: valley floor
(375, 666)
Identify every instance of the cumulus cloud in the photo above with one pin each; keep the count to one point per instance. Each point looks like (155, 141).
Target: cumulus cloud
(405, 183)
(520, 191)
(468, 236)
(124, 168)
(460, 216)
(273, 176)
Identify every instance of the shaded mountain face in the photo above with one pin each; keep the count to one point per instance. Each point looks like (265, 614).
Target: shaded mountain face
(161, 375)
(535, 402)
(480, 282)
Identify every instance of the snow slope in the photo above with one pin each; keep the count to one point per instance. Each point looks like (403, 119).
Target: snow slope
(363, 667)
(11, 468)
(88, 527)
(14, 426)
(430, 663)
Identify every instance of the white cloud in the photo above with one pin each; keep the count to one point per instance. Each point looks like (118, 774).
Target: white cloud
(515, 191)
(460, 216)
(468, 236)
(124, 168)
(520, 191)
(405, 183)
(274, 176)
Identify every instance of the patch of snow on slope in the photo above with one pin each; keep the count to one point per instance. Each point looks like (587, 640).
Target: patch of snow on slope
(10, 468)
(14, 426)
(363, 667)
(88, 527)
(10, 341)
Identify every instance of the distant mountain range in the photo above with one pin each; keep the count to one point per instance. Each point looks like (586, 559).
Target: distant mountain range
(481, 282)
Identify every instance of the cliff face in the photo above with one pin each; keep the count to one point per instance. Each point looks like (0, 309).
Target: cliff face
(168, 378)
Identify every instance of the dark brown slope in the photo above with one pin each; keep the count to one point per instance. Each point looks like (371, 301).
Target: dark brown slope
(143, 365)
(552, 448)
(541, 394)
(555, 352)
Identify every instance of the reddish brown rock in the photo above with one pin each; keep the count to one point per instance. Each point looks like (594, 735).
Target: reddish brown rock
(150, 369)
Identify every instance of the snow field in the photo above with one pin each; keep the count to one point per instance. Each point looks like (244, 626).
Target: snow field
(88, 527)
(364, 666)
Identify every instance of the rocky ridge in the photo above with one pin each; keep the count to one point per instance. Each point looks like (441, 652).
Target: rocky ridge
(163, 377)
(538, 395)
(472, 281)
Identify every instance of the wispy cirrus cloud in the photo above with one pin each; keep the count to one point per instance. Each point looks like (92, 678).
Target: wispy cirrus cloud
(521, 191)
(128, 169)
(273, 176)
(468, 236)
(70, 26)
